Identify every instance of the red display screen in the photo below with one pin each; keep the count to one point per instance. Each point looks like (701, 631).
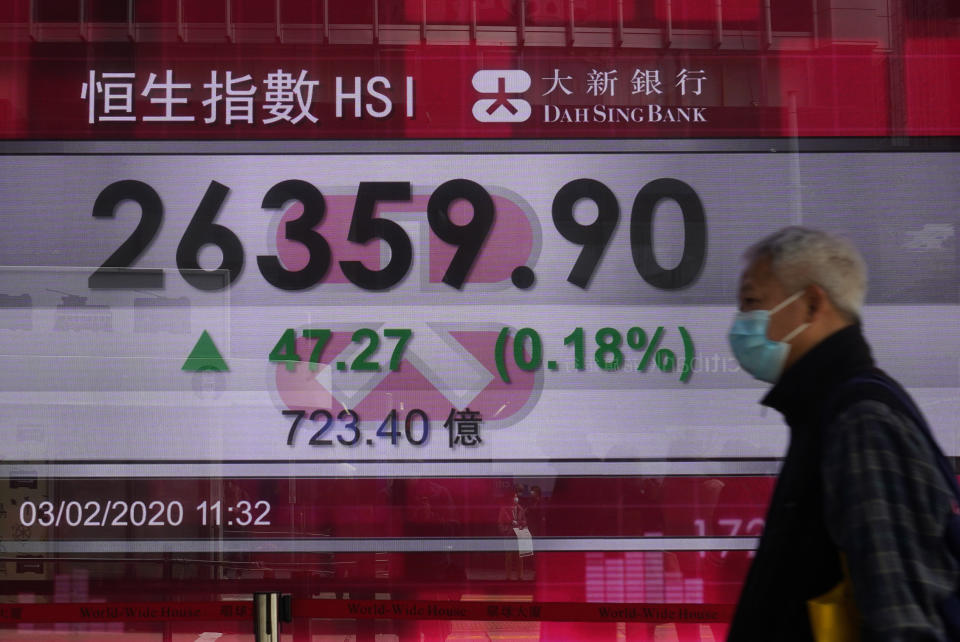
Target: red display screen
(415, 305)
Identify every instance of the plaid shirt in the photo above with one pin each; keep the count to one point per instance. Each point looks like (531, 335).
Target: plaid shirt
(859, 480)
(885, 504)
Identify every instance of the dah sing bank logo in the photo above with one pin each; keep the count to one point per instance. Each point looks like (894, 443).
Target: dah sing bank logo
(628, 96)
(501, 104)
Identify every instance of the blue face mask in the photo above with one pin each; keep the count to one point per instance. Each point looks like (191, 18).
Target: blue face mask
(758, 355)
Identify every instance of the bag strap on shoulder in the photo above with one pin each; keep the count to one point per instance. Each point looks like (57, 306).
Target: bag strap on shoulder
(876, 385)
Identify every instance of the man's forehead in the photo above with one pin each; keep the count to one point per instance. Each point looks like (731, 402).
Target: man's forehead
(758, 274)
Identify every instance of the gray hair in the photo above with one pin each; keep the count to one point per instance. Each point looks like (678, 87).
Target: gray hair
(801, 256)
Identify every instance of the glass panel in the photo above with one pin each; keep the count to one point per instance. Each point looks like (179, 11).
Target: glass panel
(155, 12)
(205, 12)
(351, 12)
(253, 11)
(497, 12)
(57, 11)
(791, 16)
(104, 11)
(434, 325)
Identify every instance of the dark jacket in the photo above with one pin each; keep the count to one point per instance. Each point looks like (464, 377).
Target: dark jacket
(874, 490)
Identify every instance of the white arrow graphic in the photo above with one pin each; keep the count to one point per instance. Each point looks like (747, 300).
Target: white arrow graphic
(442, 360)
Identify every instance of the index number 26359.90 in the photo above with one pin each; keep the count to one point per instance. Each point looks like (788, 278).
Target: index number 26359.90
(469, 238)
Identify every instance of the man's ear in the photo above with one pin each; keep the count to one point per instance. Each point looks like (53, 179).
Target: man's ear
(817, 302)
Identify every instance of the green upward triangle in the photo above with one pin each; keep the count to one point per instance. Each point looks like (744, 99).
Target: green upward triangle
(205, 356)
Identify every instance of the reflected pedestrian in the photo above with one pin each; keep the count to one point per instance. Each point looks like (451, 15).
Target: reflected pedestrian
(511, 519)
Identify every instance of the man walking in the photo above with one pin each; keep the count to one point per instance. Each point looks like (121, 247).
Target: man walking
(860, 484)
